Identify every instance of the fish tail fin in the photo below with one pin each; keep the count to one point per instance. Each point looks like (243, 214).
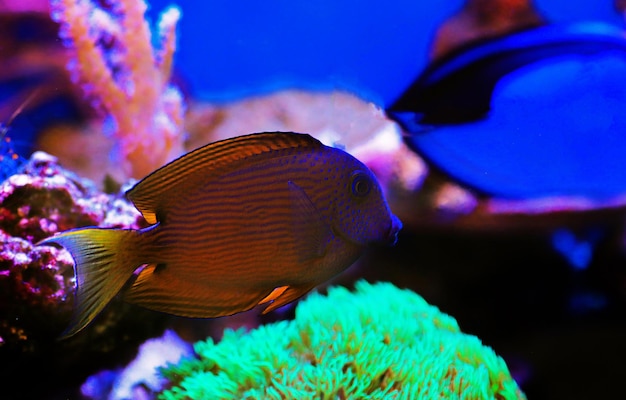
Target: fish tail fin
(101, 266)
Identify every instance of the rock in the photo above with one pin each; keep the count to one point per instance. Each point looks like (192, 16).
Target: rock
(37, 282)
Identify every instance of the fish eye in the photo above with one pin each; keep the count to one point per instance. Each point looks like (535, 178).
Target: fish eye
(361, 184)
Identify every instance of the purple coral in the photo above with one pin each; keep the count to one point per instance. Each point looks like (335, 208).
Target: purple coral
(36, 291)
(43, 200)
(37, 282)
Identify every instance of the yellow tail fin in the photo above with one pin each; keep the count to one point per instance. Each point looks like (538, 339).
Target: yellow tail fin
(102, 266)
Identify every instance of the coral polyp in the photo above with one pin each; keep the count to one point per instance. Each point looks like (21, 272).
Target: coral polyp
(378, 342)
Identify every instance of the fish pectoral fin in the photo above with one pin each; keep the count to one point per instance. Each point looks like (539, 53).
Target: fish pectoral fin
(312, 234)
(287, 295)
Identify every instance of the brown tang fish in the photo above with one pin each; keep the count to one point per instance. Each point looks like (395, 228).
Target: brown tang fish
(261, 218)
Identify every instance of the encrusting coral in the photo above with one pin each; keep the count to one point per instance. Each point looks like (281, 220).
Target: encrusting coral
(114, 61)
(37, 282)
(379, 342)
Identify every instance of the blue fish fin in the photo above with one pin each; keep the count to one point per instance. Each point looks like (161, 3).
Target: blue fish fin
(312, 234)
(101, 269)
(287, 296)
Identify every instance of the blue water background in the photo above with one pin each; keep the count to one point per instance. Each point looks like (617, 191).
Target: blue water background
(228, 50)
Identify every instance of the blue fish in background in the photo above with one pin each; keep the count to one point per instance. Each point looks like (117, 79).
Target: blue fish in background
(538, 113)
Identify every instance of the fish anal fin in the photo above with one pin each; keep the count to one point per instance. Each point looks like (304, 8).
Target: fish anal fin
(275, 293)
(159, 288)
(287, 296)
(312, 234)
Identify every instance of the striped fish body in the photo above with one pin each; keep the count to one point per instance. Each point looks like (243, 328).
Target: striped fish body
(254, 219)
(263, 223)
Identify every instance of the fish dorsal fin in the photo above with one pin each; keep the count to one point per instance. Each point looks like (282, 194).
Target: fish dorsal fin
(312, 234)
(207, 162)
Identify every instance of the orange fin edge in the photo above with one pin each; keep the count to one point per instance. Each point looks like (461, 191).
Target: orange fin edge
(274, 294)
(286, 296)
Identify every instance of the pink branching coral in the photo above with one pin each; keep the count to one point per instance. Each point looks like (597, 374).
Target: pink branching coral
(115, 62)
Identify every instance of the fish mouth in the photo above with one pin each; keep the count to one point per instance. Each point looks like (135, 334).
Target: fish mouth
(394, 229)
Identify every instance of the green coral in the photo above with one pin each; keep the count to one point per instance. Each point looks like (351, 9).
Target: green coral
(378, 342)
